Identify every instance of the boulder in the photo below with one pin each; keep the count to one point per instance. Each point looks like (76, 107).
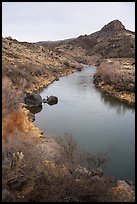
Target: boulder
(35, 109)
(33, 99)
(51, 100)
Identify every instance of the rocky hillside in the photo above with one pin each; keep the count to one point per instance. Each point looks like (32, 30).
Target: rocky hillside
(29, 176)
(35, 64)
(111, 48)
(43, 62)
(113, 40)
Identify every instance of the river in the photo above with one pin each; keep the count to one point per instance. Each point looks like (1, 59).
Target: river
(96, 121)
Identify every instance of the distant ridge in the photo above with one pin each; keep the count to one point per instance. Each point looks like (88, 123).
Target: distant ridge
(113, 40)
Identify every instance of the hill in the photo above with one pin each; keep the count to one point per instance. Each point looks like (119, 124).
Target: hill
(36, 62)
(113, 40)
(41, 168)
(113, 48)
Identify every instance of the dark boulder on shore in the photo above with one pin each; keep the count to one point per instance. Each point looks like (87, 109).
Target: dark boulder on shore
(36, 100)
(33, 99)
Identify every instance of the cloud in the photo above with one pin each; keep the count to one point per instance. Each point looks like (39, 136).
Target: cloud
(36, 21)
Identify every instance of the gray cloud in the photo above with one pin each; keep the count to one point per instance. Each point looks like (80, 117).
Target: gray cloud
(36, 21)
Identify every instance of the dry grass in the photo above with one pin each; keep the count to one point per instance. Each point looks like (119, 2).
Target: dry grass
(14, 121)
(11, 98)
(26, 171)
(27, 175)
(21, 162)
(121, 79)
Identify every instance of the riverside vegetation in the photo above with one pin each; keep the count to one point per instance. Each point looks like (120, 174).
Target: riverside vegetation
(33, 168)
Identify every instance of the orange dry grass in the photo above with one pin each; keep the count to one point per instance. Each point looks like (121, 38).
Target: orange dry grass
(15, 121)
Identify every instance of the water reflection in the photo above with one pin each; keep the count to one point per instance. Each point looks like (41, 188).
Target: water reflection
(95, 119)
(112, 102)
(35, 109)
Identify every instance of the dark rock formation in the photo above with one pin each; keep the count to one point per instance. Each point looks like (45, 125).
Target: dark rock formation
(52, 100)
(113, 25)
(33, 99)
(35, 109)
(36, 100)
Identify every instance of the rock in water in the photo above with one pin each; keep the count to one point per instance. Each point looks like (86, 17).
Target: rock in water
(52, 100)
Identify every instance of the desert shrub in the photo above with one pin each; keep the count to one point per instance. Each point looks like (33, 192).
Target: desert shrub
(68, 148)
(11, 97)
(61, 179)
(18, 152)
(70, 181)
(120, 79)
(73, 156)
(22, 162)
(81, 59)
(27, 71)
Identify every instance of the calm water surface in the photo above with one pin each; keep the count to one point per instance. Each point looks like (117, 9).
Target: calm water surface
(96, 121)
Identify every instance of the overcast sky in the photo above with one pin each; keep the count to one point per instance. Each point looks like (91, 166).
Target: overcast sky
(38, 21)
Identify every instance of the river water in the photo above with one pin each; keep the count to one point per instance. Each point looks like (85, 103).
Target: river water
(97, 121)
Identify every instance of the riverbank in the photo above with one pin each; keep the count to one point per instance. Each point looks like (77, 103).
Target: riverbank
(39, 67)
(33, 66)
(48, 164)
(48, 149)
(43, 82)
(116, 77)
(118, 188)
(128, 98)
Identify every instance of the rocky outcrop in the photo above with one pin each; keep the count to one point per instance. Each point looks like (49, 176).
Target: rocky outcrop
(113, 40)
(33, 99)
(113, 25)
(36, 100)
(51, 100)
